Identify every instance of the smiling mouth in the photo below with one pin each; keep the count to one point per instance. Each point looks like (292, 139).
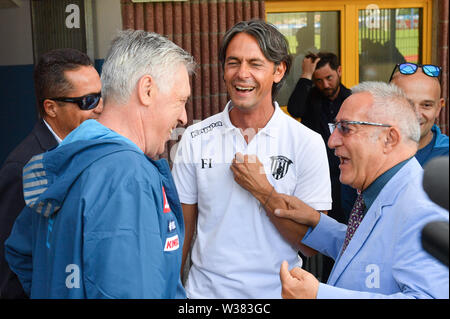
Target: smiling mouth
(244, 89)
(172, 133)
(343, 160)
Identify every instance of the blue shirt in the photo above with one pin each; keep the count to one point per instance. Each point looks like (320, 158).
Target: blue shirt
(371, 193)
(438, 146)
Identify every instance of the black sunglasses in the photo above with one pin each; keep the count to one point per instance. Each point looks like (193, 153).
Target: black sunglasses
(411, 68)
(85, 103)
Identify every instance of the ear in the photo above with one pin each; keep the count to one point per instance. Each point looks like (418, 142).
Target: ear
(145, 87)
(280, 69)
(441, 105)
(392, 139)
(339, 71)
(50, 108)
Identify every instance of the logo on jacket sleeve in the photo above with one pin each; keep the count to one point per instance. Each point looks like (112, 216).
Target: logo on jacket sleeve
(172, 226)
(166, 208)
(280, 166)
(172, 243)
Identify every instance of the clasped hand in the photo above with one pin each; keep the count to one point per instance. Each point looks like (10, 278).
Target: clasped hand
(249, 173)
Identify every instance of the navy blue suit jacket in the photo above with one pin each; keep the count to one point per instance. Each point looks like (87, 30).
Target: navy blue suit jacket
(11, 198)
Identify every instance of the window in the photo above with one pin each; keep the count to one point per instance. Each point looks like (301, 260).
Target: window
(306, 32)
(369, 37)
(387, 37)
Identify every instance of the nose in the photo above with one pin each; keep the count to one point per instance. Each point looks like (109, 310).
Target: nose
(334, 140)
(326, 85)
(183, 117)
(243, 71)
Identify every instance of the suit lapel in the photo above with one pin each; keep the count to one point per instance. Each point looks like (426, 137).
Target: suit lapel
(385, 198)
(44, 136)
(358, 240)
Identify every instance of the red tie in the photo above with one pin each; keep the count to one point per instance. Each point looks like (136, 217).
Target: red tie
(355, 219)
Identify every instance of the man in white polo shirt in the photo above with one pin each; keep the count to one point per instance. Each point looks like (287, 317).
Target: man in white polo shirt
(239, 248)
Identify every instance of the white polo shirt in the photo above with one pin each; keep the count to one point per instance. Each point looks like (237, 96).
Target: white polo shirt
(238, 251)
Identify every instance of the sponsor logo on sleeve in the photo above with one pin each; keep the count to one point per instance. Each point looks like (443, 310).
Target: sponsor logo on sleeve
(172, 225)
(172, 243)
(166, 208)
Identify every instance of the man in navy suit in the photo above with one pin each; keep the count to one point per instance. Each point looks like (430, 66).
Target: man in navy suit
(67, 92)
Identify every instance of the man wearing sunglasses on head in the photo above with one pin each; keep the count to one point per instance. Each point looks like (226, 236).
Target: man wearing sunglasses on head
(421, 85)
(67, 90)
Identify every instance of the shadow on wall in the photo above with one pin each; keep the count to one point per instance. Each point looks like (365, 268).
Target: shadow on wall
(17, 106)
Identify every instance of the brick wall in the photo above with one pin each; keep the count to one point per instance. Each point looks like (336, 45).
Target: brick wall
(198, 27)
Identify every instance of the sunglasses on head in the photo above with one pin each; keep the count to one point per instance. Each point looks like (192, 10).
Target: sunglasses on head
(85, 103)
(411, 68)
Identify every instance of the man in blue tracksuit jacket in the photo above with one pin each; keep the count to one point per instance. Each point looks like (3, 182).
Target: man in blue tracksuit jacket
(102, 219)
(438, 146)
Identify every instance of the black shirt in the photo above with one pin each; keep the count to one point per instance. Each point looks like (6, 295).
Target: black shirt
(316, 111)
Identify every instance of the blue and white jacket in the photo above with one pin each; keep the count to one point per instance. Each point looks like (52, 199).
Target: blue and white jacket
(102, 220)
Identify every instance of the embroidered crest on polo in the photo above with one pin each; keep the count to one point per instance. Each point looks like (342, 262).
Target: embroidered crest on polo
(280, 166)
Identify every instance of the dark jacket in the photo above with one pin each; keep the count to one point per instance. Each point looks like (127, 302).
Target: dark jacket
(307, 102)
(11, 198)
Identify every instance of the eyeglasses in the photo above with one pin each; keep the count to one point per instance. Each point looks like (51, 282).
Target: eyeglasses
(85, 103)
(343, 126)
(411, 68)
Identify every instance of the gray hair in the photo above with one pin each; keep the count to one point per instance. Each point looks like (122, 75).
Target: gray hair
(133, 54)
(390, 105)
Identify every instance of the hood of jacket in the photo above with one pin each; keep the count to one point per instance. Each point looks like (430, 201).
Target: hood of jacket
(48, 177)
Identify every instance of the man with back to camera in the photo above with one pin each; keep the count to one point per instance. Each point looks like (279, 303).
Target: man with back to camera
(67, 90)
(316, 99)
(379, 254)
(422, 87)
(239, 247)
(105, 218)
